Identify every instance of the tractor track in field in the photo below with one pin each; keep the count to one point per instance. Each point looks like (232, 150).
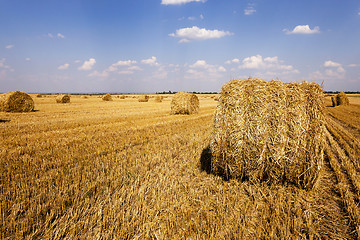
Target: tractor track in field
(342, 152)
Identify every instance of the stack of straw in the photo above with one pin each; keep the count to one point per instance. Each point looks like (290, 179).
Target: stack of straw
(16, 102)
(269, 131)
(184, 103)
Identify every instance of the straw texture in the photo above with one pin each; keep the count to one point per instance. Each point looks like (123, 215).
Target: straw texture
(63, 99)
(269, 131)
(184, 103)
(16, 102)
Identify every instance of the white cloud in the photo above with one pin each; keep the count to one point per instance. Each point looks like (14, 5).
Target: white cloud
(3, 65)
(87, 65)
(258, 62)
(50, 35)
(249, 10)
(201, 16)
(235, 60)
(303, 29)
(9, 46)
(353, 65)
(64, 66)
(202, 70)
(178, 2)
(195, 33)
(330, 63)
(151, 61)
(333, 70)
(192, 18)
(114, 67)
(28, 59)
(103, 74)
(60, 36)
(120, 67)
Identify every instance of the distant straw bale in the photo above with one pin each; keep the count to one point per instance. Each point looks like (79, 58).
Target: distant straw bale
(107, 97)
(16, 102)
(158, 98)
(143, 98)
(39, 95)
(122, 97)
(334, 101)
(184, 103)
(342, 99)
(63, 99)
(84, 96)
(269, 132)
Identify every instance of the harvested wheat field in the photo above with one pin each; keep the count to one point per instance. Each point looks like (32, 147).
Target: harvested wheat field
(126, 170)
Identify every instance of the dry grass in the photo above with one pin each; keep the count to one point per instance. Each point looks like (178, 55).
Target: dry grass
(128, 170)
(16, 102)
(269, 131)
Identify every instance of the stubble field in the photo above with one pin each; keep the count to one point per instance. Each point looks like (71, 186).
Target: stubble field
(125, 169)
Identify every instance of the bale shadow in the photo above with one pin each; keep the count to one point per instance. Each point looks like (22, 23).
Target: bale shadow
(205, 160)
(4, 120)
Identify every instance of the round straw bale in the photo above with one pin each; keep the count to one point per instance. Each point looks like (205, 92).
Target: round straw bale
(84, 96)
(334, 101)
(16, 102)
(107, 97)
(63, 99)
(184, 103)
(158, 98)
(342, 99)
(143, 98)
(122, 97)
(269, 131)
(39, 95)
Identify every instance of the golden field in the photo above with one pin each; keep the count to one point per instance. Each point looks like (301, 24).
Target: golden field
(124, 169)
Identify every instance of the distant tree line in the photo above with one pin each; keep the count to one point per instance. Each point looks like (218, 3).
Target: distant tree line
(347, 92)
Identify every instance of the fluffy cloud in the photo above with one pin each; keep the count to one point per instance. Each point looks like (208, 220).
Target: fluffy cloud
(333, 70)
(87, 65)
(258, 62)
(330, 63)
(249, 10)
(202, 70)
(63, 67)
(60, 36)
(114, 67)
(178, 2)
(151, 61)
(9, 46)
(120, 67)
(303, 29)
(235, 60)
(195, 33)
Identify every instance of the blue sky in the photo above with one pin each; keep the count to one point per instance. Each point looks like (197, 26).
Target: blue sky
(177, 45)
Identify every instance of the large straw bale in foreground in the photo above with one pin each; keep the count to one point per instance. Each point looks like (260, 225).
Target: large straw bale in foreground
(63, 99)
(107, 97)
(342, 99)
(143, 98)
(269, 131)
(16, 102)
(184, 103)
